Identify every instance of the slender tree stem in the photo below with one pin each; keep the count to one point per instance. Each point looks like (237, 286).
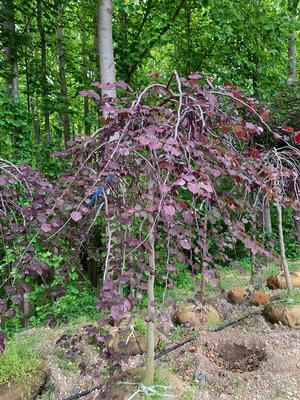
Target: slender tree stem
(282, 249)
(151, 309)
(267, 217)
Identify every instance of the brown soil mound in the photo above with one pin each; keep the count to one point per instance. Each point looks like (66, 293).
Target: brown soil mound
(129, 343)
(278, 281)
(289, 316)
(237, 296)
(196, 315)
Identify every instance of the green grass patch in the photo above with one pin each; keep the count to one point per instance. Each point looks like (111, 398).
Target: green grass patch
(233, 279)
(284, 298)
(20, 360)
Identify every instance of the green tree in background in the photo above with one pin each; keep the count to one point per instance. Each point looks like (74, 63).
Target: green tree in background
(50, 51)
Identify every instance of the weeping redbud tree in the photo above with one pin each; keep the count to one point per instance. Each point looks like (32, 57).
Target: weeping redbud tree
(169, 177)
(168, 172)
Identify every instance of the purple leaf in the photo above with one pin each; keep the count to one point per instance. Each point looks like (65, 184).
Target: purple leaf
(125, 219)
(188, 217)
(90, 93)
(117, 313)
(185, 244)
(170, 268)
(3, 181)
(194, 187)
(76, 216)
(46, 228)
(207, 187)
(17, 299)
(165, 188)
(179, 182)
(3, 305)
(169, 210)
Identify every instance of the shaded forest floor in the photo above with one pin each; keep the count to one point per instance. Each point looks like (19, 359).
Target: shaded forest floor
(252, 360)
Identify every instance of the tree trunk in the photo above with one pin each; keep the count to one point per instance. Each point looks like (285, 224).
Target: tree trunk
(27, 310)
(10, 51)
(297, 225)
(267, 217)
(44, 82)
(253, 256)
(204, 254)
(35, 119)
(96, 43)
(125, 49)
(256, 76)
(292, 58)
(188, 40)
(150, 293)
(62, 75)
(86, 108)
(285, 266)
(106, 53)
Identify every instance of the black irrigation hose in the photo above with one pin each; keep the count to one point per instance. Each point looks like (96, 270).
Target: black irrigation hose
(231, 323)
(84, 393)
(218, 329)
(169, 350)
(176, 346)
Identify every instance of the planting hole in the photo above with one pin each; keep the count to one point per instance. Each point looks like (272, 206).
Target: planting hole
(236, 357)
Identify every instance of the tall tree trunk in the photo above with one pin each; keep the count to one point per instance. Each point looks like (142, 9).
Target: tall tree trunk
(124, 50)
(297, 225)
(189, 42)
(106, 52)
(62, 75)
(44, 83)
(292, 58)
(11, 58)
(36, 122)
(150, 293)
(27, 80)
(267, 217)
(10, 51)
(256, 76)
(86, 107)
(285, 266)
(96, 43)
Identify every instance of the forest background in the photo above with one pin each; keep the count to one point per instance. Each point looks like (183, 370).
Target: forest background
(51, 52)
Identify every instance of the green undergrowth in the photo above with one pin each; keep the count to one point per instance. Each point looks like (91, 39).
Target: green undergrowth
(238, 275)
(234, 278)
(20, 360)
(274, 269)
(77, 304)
(284, 298)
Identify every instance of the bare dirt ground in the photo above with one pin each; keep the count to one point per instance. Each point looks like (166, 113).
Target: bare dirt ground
(251, 361)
